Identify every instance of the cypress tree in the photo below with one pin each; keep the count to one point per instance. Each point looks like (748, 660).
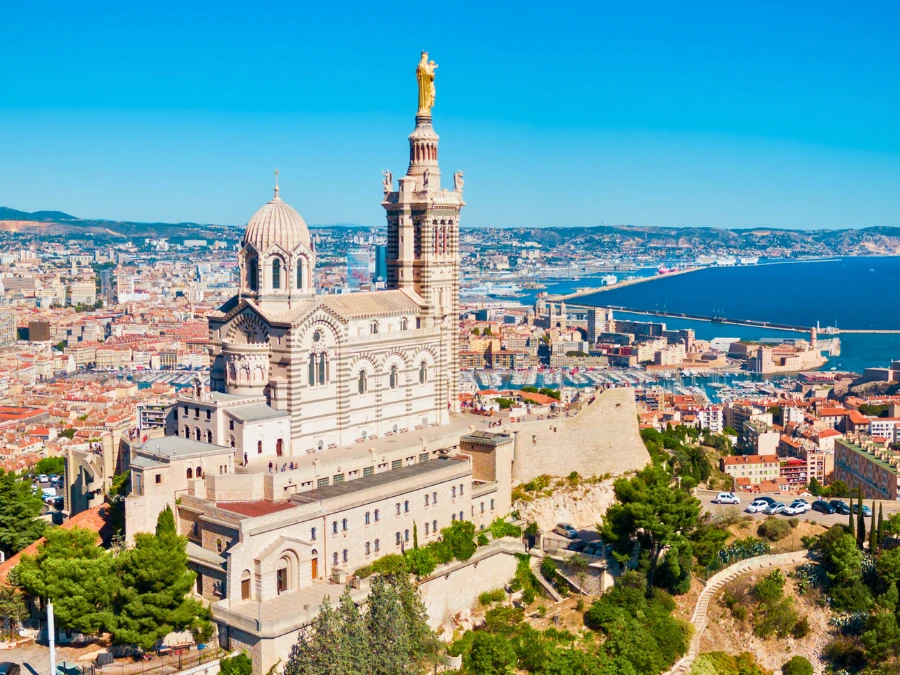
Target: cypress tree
(415, 536)
(355, 639)
(860, 524)
(852, 526)
(879, 537)
(873, 537)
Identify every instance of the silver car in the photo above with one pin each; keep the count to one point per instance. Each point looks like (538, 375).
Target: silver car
(775, 508)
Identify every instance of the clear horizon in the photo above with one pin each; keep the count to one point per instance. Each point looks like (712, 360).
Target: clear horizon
(656, 116)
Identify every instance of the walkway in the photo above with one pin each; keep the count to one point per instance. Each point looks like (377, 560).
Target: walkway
(698, 620)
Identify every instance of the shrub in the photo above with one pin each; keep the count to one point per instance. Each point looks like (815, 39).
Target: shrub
(500, 528)
(488, 598)
(420, 561)
(239, 664)
(482, 540)
(441, 551)
(542, 610)
(797, 666)
(391, 565)
(801, 628)
(774, 529)
(793, 522)
(363, 572)
(460, 537)
(579, 605)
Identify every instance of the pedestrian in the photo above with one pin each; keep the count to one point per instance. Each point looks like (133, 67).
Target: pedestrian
(246, 459)
(270, 467)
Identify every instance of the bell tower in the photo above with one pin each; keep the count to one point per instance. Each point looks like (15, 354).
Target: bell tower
(423, 228)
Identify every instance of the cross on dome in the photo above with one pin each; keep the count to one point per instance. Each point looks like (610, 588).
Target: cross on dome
(276, 183)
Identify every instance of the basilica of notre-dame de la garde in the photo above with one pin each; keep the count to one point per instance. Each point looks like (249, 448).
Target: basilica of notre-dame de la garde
(320, 371)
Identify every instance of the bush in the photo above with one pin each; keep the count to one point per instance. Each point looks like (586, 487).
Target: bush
(774, 529)
(420, 561)
(239, 664)
(500, 528)
(720, 663)
(391, 565)
(797, 666)
(441, 551)
(793, 522)
(460, 537)
(488, 598)
(801, 629)
(482, 540)
(363, 572)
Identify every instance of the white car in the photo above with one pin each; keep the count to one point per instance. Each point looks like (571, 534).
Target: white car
(727, 498)
(796, 508)
(757, 506)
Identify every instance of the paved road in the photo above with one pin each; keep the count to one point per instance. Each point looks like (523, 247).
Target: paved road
(706, 497)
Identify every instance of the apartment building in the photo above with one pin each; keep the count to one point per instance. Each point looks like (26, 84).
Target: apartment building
(867, 466)
(754, 468)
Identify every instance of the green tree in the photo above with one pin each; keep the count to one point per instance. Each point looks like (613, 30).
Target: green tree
(651, 511)
(13, 610)
(815, 487)
(156, 585)
(239, 664)
(490, 655)
(860, 524)
(873, 536)
(882, 635)
(476, 331)
(19, 511)
(879, 534)
(354, 639)
(851, 524)
(423, 644)
(460, 536)
(78, 576)
(55, 465)
(389, 639)
(838, 489)
(322, 652)
(798, 665)
(677, 565)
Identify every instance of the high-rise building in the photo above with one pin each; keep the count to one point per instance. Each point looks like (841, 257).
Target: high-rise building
(358, 269)
(8, 331)
(39, 331)
(380, 262)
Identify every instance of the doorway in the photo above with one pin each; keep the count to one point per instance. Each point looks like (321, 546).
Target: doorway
(279, 445)
(314, 568)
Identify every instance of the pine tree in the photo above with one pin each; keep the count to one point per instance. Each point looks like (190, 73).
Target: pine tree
(156, 589)
(19, 511)
(77, 575)
(321, 652)
(423, 645)
(860, 524)
(355, 639)
(879, 536)
(389, 643)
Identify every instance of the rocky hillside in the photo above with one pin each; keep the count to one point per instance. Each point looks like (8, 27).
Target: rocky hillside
(582, 505)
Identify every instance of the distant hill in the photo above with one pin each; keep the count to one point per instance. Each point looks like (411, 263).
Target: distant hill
(49, 216)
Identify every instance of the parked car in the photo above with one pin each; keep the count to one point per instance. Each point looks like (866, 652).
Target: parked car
(867, 512)
(757, 506)
(566, 530)
(777, 507)
(42, 478)
(822, 506)
(577, 546)
(594, 548)
(840, 507)
(796, 508)
(8, 668)
(727, 498)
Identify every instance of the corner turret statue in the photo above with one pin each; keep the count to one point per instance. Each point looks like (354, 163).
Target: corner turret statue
(425, 77)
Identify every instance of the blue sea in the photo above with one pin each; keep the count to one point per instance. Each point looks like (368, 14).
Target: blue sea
(849, 293)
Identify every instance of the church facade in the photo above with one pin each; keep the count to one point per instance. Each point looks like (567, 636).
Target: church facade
(296, 372)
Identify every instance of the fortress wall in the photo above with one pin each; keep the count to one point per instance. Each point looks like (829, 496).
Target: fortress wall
(602, 438)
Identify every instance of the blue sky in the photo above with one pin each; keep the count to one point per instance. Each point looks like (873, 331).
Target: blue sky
(651, 113)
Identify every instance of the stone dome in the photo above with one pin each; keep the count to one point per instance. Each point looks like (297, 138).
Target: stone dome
(276, 223)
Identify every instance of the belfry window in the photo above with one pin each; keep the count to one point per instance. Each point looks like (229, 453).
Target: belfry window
(276, 274)
(322, 368)
(254, 275)
(312, 369)
(363, 382)
(393, 377)
(299, 274)
(423, 373)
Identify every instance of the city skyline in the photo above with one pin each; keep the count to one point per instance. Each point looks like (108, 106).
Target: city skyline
(672, 117)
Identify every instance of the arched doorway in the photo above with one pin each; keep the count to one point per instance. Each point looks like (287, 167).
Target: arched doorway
(279, 447)
(314, 565)
(245, 585)
(258, 447)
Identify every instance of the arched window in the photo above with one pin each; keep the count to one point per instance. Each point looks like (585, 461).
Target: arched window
(312, 370)
(190, 473)
(199, 472)
(231, 441)
(393, 377)
(276, 273)
(218, 545)
(254, 275)
(187, 431)
(404, 324)
(299, 274)
(245, 585)
(322, 370)
(258, 447)
(423, 373)
(209, 436)
(363, 382)
(197, 433)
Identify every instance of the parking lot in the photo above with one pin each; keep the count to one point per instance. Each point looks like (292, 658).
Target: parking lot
(706, 497)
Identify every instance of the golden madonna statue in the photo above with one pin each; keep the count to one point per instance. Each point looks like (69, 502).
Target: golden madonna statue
(425, 77)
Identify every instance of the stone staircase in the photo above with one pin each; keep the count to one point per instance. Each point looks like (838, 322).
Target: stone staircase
(535, 563)
(715, 583)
